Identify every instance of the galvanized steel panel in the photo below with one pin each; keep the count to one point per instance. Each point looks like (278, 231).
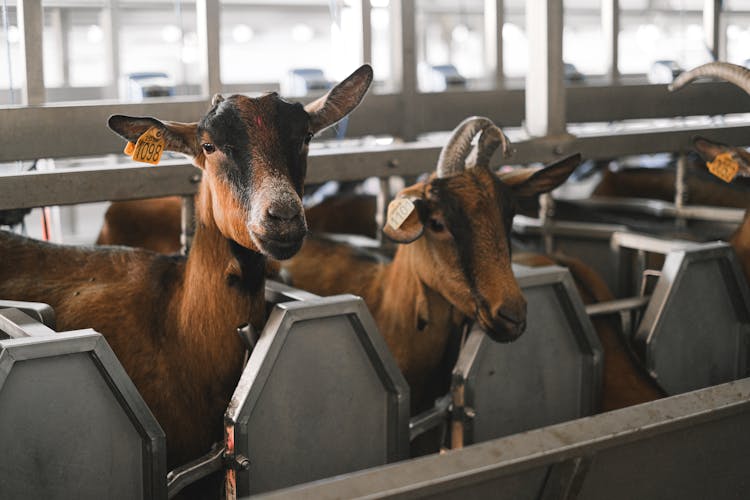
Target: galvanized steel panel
(695, 329)
(320, 396)
(691, 446)
(551, 374)
(72, 424)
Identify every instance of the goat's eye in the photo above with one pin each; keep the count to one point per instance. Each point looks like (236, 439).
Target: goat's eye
(208, 148)
(436, 226)
(308, 138)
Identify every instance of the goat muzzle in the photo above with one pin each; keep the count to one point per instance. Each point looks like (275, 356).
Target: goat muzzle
(508, 322)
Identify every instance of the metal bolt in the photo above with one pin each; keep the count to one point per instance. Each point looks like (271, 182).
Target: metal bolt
(558, 150)
(242, 462)
(392, 163)
(195, 179)
(469, 412)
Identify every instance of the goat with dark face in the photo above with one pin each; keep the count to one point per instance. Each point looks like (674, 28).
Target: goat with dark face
(453, 264)
(172, 321)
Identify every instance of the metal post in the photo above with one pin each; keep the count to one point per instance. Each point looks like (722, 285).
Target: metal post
(545, 89)
(207, 17)
(188, 223)
(611, 32)
(711, 15)
(31, 25)
(680, 189)
(366, 31)
(111, 27)
(493, 41)
(404, 57)
(381, 211)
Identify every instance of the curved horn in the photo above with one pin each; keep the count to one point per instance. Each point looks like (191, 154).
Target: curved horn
(491, 138)
(454, 153)
(732, 73)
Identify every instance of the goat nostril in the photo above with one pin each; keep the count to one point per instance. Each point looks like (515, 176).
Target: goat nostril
(283, 212)
(515, 315)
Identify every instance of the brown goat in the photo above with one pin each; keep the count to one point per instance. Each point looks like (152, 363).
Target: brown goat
(172, 320)
(453, 264)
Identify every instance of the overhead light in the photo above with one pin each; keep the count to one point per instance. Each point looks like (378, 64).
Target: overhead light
(460, 33)
(94, 34)
(13, 34)
(242, 33)
(171, 33)
(379, 4)
(302, 33)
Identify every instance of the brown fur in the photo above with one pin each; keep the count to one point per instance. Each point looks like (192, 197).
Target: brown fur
(625, 382)
(152, 224)
(172, 320)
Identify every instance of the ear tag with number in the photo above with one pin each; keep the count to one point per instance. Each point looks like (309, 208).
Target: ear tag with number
(400, 210)
(149, 147)
(724, 166)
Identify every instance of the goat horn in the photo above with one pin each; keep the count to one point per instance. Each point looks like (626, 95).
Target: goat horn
(491, 138)
(732, 73)
(454, 153)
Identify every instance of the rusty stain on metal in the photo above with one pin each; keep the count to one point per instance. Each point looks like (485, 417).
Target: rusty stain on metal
(230, 479)
(457, 425)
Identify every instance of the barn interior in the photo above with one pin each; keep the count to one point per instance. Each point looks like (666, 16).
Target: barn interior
(374, 249)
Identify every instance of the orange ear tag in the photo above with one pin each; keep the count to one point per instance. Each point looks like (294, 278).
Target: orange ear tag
(398, 211)
(149, 147)
(724, 166)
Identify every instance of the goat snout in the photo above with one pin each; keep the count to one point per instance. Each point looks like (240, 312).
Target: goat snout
(508, 321)
(279, 227)
(284, 211)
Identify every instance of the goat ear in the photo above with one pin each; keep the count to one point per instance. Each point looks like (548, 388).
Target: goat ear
(533, 182)
(412, 227)
(709, 149)
(178, 137)
(340, 100)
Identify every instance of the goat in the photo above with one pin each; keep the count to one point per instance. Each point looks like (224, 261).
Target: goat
(710, 150)
(453, 264)
(172, 320)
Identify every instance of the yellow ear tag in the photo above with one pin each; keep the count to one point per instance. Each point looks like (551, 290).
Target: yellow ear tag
(129, 148)
(398, 211)
(149, 147)
(724, 166)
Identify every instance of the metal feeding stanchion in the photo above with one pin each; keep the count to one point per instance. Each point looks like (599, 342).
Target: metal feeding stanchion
(72, 424)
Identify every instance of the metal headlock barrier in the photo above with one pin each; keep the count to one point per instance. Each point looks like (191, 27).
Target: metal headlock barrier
(690, 446)
(72, 423)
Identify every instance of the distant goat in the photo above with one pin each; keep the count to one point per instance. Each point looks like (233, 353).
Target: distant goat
(454, 261)
(172, 320)
(734, 157)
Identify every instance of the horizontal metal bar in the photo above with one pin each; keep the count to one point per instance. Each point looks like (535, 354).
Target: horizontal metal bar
(84, 185)
(279, 292)
(524, 225)
(191, 472)
(659, 208)
(523, 452)
(651, 244)
(419, 424)
(35, 132)
(618, 305)
(17, 324)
